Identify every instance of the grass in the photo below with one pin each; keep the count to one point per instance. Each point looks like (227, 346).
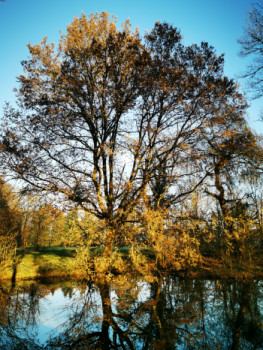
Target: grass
(59, 262)
(46, 262)
(49, 262)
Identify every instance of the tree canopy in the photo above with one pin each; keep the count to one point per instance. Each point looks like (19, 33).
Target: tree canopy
(109, 117)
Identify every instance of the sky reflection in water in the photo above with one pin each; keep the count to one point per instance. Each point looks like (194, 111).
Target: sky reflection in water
(170, 313)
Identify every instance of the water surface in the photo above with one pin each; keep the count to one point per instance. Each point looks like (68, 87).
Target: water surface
(171, 313)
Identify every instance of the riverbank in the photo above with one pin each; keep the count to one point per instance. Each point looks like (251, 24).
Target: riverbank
(60, 262)
(43, 263)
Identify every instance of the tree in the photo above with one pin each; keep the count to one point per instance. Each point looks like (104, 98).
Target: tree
(252, 45)
(10, 225)
(99, 116)
(233, 153)
(9, 218)
(45, 224)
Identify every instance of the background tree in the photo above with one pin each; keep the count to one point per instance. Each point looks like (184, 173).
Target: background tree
(252, 45)
(71, 229)
(233, 153)
(10, 225)
(255, 199)
(46, 225)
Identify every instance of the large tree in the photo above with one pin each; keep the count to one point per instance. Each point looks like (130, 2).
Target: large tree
(101, 115)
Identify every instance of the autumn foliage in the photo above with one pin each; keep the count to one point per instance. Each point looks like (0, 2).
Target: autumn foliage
(142, 141)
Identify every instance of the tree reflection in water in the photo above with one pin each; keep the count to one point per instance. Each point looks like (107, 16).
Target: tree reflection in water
(170, 313)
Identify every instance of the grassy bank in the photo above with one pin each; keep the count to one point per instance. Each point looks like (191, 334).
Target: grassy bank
(51, 262)
(46, 262)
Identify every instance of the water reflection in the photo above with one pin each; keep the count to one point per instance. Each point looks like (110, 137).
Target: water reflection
(171, 313)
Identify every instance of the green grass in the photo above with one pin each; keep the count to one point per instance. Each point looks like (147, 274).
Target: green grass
(54, 262)
(54, 251)
(46, 262)
(59, 262)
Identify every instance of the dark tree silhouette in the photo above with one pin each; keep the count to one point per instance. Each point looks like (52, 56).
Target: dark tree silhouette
(100, 116)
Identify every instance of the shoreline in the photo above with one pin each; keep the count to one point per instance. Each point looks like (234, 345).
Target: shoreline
(59, 263)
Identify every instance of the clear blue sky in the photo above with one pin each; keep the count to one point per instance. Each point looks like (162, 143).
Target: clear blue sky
(219, 23)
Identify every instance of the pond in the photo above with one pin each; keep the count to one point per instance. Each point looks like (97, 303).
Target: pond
(169, 313)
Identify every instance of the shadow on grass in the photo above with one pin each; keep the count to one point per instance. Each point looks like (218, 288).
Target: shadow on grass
(62, 252)
(51, 261)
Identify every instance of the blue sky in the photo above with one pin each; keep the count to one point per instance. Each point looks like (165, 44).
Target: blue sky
(220, 23)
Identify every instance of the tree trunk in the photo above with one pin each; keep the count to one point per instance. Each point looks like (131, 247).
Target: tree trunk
(107, 314)
(108, 244)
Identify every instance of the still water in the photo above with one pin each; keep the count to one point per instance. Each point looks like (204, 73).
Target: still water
(169, 313)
